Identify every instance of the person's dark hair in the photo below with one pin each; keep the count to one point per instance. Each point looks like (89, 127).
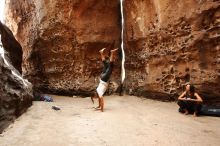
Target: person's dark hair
(192, 88)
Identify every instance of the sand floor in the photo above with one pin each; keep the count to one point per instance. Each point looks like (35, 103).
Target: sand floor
(126, 121)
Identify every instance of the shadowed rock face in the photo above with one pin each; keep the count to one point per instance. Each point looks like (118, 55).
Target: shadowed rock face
(61, 40)
(15, 97)
(12, 47)
(169, 44)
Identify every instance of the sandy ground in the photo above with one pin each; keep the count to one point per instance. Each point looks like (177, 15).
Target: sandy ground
(127, 121)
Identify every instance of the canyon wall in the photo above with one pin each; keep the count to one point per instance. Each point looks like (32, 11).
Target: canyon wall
(61, 42)
(167, 44)
(170, 43)
(15, 93)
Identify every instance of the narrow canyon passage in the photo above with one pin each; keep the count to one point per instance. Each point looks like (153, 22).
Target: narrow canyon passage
(129, 121)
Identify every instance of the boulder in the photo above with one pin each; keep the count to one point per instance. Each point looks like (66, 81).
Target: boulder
(16, 95)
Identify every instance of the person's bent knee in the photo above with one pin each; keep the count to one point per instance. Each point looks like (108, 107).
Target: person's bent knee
(180, 103)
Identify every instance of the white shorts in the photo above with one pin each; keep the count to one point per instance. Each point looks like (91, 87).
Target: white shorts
(102, 88)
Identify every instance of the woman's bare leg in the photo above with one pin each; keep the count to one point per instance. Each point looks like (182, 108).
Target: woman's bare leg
(113, 56)
(102, 53)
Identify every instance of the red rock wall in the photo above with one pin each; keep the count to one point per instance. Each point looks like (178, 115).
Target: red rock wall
(170, 42)
(61, 40)
(167, 44)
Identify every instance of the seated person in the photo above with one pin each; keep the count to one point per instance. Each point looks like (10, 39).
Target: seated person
(189, 101)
